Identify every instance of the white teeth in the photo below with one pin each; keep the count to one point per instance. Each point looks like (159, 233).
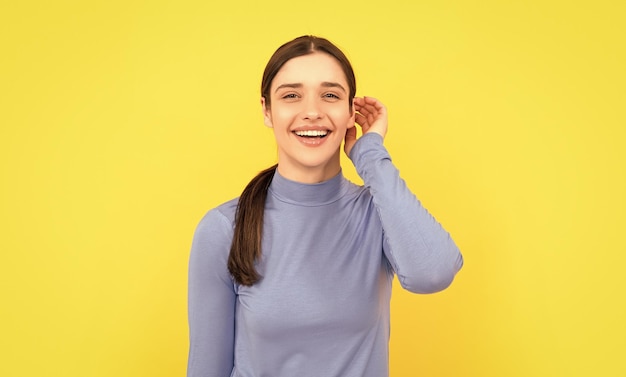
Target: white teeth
(311, 133)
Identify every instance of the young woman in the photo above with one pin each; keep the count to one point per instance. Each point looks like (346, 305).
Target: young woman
(294, 277)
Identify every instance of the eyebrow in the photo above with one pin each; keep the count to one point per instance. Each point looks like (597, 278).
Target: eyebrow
(325, 84)
(294, 86)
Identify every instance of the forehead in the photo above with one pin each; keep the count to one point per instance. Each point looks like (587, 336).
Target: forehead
(311, 69)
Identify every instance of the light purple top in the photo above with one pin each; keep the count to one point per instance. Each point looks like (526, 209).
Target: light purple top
(330, 251)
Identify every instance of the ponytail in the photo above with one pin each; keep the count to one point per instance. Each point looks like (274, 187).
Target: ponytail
(246, 247)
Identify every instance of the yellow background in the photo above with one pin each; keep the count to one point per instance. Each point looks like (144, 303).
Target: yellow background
(123, 122)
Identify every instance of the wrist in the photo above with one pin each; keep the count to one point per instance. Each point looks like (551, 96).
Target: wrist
(370, 138)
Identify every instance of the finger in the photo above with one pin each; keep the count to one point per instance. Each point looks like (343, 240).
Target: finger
(360, 119)
(371, 108)
(371, 102)
(369, 113)
(362, 122)
(357, 102)
(371, 118)
(366, 109)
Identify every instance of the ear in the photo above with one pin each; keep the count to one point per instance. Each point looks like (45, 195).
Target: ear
(352, 114)
(267, 114)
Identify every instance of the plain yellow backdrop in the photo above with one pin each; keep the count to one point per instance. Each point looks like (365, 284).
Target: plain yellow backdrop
(123, 122)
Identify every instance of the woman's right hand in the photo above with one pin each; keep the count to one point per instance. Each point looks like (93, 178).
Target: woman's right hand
(371, 116)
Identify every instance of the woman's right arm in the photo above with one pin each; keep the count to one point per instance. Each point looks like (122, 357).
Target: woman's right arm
(211, 299)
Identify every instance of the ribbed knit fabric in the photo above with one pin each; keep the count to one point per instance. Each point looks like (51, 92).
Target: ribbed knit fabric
(330, 251)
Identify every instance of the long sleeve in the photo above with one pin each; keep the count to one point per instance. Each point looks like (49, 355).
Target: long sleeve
(211, 300)
(420, 251)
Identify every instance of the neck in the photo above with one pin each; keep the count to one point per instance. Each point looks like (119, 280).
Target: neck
(309, 174)
(308, 194)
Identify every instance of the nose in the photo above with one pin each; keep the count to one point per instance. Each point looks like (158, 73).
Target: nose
(312, 109)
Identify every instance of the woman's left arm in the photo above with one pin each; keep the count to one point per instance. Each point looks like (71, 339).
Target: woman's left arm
(418, 248)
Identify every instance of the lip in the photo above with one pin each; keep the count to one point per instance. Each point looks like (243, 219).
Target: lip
(311, 141)
(311, 128)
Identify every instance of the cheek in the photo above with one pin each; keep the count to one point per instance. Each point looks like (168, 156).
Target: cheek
(342, 117)
(284, 114)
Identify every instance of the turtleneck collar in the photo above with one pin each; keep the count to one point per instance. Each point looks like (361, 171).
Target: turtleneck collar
(308, 194)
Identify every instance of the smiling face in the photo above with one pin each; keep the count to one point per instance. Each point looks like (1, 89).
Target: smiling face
(310, 112)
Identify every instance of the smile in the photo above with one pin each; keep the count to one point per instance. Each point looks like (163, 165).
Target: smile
(312, 133)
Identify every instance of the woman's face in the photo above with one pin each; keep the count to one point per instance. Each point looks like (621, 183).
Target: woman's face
(310, 112)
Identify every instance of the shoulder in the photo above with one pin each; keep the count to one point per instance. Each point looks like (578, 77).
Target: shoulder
(224, 212)
(210, 248)
(216, 226)
(358, 193)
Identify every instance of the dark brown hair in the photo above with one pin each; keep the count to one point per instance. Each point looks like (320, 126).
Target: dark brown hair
(245, 249)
